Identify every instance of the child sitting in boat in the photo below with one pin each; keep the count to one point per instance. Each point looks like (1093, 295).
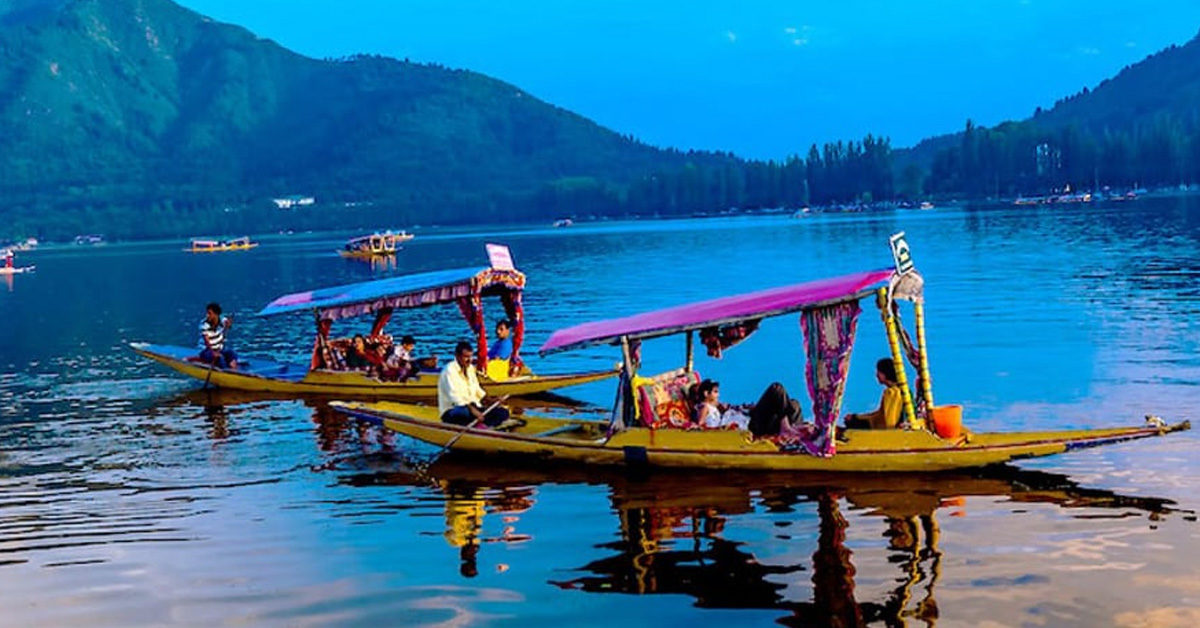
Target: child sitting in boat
(709, 411)
(887, 416)
(775, 414)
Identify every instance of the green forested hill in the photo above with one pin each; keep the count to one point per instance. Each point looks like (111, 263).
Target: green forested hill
(1141, 127)
(111, 109)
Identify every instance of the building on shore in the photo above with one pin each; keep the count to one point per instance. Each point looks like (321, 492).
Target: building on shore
(293, 200)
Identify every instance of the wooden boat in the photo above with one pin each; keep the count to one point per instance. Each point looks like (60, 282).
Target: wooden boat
(639, 433)
(200, 245)
(588, 442)
(9, 269)
(375, 245)
(325, 375)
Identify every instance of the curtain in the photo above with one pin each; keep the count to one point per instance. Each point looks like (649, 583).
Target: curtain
(472, 310)
(515, 312)
(828, 339)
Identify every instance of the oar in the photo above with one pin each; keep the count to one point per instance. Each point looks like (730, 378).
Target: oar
(466, 427)
(211, 364)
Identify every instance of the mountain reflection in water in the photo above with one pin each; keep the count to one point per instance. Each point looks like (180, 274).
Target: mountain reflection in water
(674, 537)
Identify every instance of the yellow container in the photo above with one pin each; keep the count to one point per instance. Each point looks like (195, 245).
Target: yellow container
(947, 421)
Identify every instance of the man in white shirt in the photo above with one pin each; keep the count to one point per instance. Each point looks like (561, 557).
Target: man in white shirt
(459, 394)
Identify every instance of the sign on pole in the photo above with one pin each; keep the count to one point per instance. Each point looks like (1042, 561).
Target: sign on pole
(900, 253)
(500, 257)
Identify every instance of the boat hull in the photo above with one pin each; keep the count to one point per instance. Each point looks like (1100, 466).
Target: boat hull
(584, 442)
(262, 375)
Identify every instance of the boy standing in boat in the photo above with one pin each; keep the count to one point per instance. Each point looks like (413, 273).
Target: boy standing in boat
(212, 338)
(460, 395)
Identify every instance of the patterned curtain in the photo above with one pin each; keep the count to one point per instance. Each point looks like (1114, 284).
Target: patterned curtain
(828, 339)
(516, 314)
(472, 310)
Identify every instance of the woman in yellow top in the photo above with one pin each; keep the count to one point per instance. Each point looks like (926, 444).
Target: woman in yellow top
(887, 416)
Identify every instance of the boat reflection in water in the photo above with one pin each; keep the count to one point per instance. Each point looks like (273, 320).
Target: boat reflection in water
(674, 529)
(377, 263)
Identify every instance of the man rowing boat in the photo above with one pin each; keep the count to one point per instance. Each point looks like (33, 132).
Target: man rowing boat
(212, 338)
(460, 396)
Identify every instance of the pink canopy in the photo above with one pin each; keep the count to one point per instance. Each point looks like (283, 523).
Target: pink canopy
(723, 311)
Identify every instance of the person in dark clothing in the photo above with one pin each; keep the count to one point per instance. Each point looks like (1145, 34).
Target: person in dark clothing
(775, 413)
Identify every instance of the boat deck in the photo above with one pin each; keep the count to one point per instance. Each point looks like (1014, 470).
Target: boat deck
(248, 364)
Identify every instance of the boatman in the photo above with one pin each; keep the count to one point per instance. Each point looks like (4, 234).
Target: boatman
(212, 338)
(502, 350)
(460, 396)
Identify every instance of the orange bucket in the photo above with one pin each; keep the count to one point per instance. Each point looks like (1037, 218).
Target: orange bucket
(947, 421)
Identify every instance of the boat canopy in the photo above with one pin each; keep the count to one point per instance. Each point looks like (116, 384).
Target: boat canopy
(719, 312)
(464, 287)
(406, 292)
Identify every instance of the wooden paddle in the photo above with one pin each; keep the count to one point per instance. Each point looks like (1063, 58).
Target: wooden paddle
(468, 426)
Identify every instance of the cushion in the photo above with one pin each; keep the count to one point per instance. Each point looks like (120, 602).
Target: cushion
(663, 399)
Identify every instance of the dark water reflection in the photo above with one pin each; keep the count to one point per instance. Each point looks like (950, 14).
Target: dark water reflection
(675, 535)
(130, 497)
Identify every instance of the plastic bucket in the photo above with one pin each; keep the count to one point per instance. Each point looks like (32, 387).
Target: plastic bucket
(947, 421)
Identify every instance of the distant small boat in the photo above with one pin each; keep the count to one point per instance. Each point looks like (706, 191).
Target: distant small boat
(803, 212)
(91, 238)
(200, 245)
(563, 222)
(925, 205)
(9, 269)
(375, 245)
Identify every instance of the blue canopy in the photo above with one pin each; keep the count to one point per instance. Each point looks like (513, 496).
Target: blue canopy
(409, 291)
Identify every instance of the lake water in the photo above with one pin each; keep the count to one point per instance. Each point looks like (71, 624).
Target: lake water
(128, 496)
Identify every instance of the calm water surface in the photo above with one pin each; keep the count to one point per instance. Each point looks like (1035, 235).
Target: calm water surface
(130, 497)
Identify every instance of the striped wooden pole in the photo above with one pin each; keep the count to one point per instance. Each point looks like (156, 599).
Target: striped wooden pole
(923, 361)
(889, 325)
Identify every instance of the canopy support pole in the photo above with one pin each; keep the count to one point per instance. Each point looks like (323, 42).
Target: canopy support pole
(629, 372)
(926, 383)
(893, 336)
(687, 367)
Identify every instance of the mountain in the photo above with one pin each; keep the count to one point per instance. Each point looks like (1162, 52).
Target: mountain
(109, 104)
(1156, 100)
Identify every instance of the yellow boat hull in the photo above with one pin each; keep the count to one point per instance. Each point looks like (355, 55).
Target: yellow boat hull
(223, 249)
(366, 254)
(585, 442)
(286, 379)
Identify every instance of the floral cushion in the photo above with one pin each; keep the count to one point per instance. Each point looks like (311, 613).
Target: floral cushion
(664, 402)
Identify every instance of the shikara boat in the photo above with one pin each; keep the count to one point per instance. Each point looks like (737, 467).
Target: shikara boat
(323, 375)
(637, 435)
(8, 268)
(201, 245)
(375, 245)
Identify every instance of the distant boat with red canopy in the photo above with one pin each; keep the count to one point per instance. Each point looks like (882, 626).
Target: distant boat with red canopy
(329, 372)
(9, 268)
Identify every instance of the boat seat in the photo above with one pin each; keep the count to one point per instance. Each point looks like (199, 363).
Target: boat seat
(663, 399)
(562, 429)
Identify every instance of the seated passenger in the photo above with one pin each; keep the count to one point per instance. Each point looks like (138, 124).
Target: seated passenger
(887, 416)
(711, 414)
(405, 354)
(776, 414)
(356, 355)
(502, 350)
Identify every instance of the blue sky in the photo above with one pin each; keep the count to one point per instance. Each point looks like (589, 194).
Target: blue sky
(760, 78)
